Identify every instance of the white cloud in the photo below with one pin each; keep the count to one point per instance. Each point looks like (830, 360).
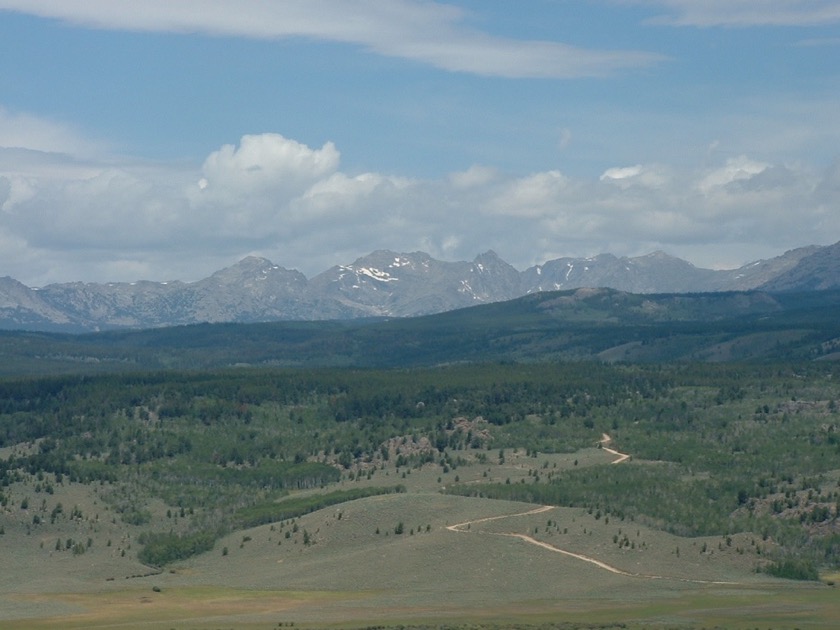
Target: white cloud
(340, 191)
(266, 162)
(66, 220)
(650, 176)
(115, 208)
(743, 13)
(428, 32)
(621, 172)
(735, 169)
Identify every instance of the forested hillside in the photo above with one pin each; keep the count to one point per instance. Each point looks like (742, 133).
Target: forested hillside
(586, 324)
(716, 449)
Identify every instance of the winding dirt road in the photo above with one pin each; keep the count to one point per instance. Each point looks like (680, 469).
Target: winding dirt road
(606, 439)
(466, 528)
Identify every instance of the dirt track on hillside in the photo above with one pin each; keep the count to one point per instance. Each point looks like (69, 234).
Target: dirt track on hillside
(606, 439)
(466, 528)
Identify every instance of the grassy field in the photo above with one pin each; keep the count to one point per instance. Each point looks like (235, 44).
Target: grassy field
(397, 560)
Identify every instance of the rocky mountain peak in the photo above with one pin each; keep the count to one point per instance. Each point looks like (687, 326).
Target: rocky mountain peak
(386, 283)
(816, 270)
(488, 256)
(253, 269)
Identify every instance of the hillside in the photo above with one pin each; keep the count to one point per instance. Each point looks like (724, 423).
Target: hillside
(547, 495)
(584, 324)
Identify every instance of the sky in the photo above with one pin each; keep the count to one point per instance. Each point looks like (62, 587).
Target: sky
(167, 139)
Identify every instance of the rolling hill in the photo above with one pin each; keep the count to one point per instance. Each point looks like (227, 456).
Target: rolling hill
(582, 324)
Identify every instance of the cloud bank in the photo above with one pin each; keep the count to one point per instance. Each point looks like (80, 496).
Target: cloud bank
(65, 219)
(430, 33)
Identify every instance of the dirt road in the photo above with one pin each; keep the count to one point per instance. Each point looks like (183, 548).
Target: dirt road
(606, 439)
(466, 528)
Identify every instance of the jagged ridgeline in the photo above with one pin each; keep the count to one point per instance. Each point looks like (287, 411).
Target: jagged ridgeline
(385, 284)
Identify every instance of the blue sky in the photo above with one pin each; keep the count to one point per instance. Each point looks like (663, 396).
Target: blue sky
(167, 139)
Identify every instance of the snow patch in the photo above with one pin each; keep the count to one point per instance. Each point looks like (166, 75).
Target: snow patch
(376, 274)
(401, 262)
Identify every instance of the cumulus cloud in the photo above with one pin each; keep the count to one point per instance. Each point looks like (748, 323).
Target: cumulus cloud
(735, 169)
(257, 179)
(64, 219)
(340, 191)
(742, 13)
(433, 33)
(267, 162)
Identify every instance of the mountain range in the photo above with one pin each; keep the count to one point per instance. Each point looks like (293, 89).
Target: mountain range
(385, 284)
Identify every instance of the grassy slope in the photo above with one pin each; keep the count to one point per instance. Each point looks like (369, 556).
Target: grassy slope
(350, 574)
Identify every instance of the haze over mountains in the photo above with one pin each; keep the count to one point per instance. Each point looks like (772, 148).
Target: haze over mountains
(385, 284)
